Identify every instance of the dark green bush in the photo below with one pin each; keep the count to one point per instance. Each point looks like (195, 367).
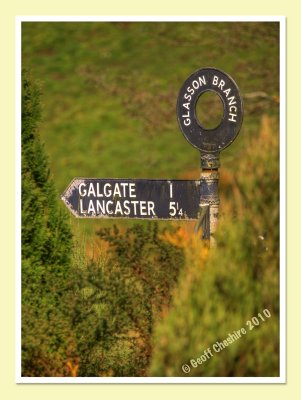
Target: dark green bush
(119, 299)
(46, 247)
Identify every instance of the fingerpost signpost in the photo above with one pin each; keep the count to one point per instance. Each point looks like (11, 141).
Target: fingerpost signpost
(171, 199)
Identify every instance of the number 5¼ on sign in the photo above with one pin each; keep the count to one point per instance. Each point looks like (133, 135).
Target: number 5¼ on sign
(174, 209)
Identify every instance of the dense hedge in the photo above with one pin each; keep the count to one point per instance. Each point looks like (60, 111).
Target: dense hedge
(46, 253)
(239, 280)
(119, 297)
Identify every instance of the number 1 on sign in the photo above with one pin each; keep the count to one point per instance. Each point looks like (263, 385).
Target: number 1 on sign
(170, 190)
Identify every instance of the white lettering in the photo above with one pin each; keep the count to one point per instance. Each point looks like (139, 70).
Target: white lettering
(107, 207)
(91, 190)
(135, 206)
(81, 208)
(202, 80)
(190, 90)
(232, 118)
(195, 84)
(107, 190)
(227, 91)
(116, 191)
(151, 206)
(91, 208)
(98, 191)
(143, 208)
(122, 208)
(127, 208)
(124, 185)
(100, 208)
(231, 100)
(84, 191)
(187, 97)
(132, 190)
(118, 208)
(221, 84)
(215, 80)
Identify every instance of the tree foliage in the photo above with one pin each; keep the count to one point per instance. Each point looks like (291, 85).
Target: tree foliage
(119, 298)
(46, 246)
(239, 280)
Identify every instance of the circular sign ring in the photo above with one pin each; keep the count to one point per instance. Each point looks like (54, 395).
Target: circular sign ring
(201, 81)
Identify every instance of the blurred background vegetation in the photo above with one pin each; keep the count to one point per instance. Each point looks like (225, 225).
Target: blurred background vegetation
(141, 300)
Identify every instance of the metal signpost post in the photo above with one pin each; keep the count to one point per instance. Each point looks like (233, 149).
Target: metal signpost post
(210, 142)
(171, 199)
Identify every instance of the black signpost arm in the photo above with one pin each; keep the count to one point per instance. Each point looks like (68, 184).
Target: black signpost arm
(171, 199)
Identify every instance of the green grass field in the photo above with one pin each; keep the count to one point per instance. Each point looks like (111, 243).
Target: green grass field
(110, 92)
